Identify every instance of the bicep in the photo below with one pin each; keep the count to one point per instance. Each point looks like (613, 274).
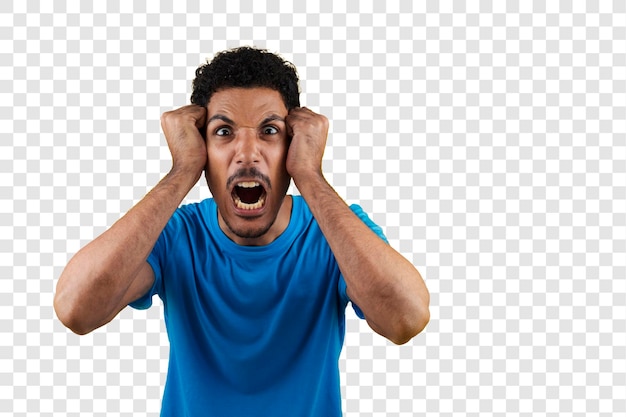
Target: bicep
(140, 285)
(143, 282)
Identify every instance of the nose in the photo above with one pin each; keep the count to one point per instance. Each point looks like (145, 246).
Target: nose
(247, 151)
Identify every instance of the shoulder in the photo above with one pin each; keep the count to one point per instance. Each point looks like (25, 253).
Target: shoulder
(191, 216)
(194, 210)
(300, 210)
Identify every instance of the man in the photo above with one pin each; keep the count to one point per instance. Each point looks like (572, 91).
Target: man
(254, 282)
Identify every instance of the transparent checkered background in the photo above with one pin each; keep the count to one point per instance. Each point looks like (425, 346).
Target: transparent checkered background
(487, 138)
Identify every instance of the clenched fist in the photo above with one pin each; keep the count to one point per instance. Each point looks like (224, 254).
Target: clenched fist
(182, 128)
(309, 132)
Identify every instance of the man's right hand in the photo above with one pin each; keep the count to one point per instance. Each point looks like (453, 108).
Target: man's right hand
(182, 129)
(112, 271)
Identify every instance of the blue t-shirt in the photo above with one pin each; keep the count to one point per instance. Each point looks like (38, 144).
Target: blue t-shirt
(253, 330)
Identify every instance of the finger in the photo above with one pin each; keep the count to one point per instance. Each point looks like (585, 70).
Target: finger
(298, 111)
(201, 116)
(295, 116)
(289, 127)
(306, 110)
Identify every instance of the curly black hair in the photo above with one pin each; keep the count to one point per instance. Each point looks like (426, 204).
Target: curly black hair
(246, 67)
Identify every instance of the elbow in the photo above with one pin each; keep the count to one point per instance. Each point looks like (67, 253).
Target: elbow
(70, 305)
(68, 318)
(414, 317)
(409, 331)
(69, 315)
(411, 325)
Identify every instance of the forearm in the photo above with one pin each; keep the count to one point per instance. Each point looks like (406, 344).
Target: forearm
(387, 288)
(95, 284)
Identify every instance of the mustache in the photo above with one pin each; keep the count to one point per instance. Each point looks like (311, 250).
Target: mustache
(248, 173)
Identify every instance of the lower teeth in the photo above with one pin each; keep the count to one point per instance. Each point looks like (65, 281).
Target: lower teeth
(249, 206)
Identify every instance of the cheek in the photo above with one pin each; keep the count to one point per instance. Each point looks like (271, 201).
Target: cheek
(278, 162)
(280, 169)
(215, 169)
(218, 156)
(280, 151)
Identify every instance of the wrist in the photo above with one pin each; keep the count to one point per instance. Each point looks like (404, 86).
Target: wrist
(309, 183)
(184, 175)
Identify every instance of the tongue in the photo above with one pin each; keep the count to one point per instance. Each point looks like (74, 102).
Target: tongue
(249, 195)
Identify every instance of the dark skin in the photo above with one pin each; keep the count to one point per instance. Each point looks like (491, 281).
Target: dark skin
(244, 129)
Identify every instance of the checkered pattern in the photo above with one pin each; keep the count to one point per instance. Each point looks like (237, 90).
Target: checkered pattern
(487, 138)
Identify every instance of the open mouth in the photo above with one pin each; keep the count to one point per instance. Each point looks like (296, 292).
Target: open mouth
(249, 195)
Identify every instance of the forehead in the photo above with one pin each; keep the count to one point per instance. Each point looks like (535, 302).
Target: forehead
(245, 104)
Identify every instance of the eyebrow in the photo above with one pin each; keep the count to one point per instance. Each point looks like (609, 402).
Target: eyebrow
(271, 118)
(220, 117)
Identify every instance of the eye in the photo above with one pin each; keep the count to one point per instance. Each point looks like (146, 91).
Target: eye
(222, 131)
(270, 130)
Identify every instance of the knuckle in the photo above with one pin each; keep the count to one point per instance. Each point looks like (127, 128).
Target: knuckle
(166, 117)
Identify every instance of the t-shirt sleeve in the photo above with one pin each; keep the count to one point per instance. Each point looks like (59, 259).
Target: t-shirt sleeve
(145, 301)
(356, 209)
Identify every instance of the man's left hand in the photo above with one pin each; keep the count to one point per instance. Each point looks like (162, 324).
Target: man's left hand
(309, 131)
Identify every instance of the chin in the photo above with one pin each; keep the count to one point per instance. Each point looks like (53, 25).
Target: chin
(249, 231)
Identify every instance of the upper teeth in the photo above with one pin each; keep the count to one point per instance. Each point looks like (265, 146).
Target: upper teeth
(248, 184)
